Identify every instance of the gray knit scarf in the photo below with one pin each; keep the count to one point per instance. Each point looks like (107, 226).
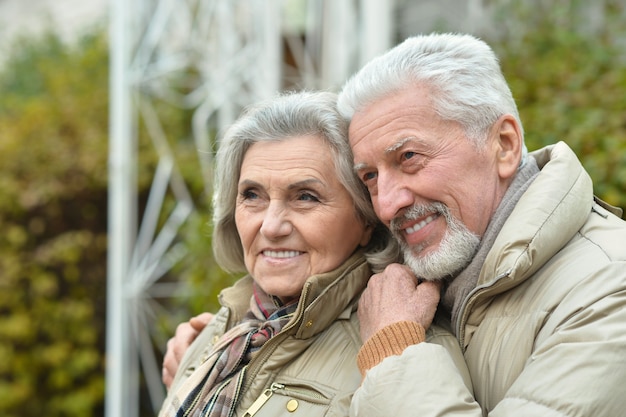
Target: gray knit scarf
(466, 280)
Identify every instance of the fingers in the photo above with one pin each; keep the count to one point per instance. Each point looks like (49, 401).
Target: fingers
(428, 293)
(185, 334)
(396, 295)
(403, 275)
(398, 271)
(170, 363)
(429, 288)
(200, 321)
(176, 347)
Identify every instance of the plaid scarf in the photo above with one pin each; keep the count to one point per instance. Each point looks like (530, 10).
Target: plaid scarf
(213, 389)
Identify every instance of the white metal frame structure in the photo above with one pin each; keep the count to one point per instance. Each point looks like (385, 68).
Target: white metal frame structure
(235, 48)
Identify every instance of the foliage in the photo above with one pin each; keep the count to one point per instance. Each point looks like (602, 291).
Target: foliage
(570, 85)
(53, 211)
(53, 217)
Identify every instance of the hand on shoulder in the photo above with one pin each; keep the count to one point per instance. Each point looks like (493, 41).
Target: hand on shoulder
(186, 333)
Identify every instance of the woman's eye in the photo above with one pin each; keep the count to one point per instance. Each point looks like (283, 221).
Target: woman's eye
(307, 197)
(249, 195)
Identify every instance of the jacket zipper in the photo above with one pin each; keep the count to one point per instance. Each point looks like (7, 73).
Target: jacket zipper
(469, 302)
(270, 346)
(267, 394)
(269, 349)
(259, 402)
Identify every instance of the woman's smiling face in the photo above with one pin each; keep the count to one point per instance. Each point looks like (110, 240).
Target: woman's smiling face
(294, 218)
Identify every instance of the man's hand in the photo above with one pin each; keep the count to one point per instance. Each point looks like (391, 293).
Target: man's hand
(394, 295)
(185, 334)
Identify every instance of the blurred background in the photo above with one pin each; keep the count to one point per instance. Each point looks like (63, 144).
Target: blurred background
(109, 112)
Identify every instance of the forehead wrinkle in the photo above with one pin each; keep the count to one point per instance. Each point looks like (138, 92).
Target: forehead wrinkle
(394, 147)
(304, 183)
(248, 183)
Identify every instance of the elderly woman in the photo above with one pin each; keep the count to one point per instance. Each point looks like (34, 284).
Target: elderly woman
(289, 211)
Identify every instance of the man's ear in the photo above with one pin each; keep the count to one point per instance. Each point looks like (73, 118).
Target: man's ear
(508, 143)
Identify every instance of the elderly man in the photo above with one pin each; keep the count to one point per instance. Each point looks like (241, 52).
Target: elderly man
(532, 266)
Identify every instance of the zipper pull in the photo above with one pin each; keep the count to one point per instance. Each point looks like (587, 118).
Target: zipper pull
(258, 403)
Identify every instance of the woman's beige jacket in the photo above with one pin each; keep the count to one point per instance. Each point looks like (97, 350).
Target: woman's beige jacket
(309, 369)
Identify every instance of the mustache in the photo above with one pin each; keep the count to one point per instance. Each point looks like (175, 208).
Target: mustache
(415, 212)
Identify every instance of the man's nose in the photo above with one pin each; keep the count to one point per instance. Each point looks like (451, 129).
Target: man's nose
(393, 197)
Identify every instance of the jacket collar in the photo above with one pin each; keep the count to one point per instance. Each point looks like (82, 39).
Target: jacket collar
(546, 217)
(325, 297)
(549, 213)
(463, 283)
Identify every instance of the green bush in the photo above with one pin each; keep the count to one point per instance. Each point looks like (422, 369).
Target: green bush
(571, 86)
(53, 156)
(53, 214)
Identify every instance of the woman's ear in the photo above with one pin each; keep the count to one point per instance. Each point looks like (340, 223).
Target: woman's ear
(508, 145)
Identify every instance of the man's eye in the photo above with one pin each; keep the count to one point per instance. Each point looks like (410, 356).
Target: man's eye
(408, 155)
(369, 176)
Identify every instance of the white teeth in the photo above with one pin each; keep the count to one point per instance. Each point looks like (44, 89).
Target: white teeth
(419, 225)
(281, 254)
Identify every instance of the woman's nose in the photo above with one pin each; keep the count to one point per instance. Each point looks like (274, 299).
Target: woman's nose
(276, 221)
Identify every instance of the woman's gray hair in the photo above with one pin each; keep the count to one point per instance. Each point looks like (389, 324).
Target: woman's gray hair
(288, 116)
(461, 71)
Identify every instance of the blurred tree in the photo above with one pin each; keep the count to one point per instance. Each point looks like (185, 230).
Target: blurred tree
(53, 213)
(570, 85)
(53, 157)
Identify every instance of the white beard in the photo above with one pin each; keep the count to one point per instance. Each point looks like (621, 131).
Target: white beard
(455, 252)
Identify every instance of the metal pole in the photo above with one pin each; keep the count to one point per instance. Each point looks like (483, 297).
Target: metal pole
(377, 31)
(338, 43)
(269, 82)
(121, 215)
